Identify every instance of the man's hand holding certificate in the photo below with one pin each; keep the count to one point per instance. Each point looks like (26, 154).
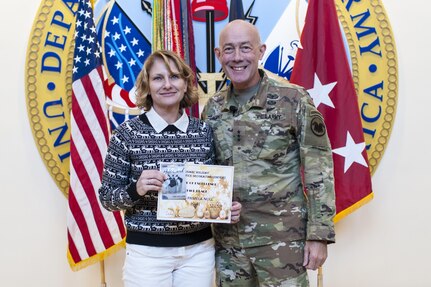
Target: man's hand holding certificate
(195, 192)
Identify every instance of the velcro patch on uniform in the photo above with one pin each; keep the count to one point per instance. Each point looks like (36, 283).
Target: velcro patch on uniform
(315, 134)
(317, 125)
(266, 116)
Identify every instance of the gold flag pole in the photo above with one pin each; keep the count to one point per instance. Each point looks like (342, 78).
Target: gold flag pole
(102, 273)
(319, 277)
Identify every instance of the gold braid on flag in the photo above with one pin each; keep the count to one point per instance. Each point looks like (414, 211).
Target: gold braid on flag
(158, 25)
(173, 30)
(168, 26)
(166, 30)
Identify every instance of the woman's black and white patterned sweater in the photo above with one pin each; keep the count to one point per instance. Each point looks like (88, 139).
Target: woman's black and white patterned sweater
(136, 146)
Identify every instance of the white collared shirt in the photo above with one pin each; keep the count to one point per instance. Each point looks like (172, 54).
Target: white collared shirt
(159, 124)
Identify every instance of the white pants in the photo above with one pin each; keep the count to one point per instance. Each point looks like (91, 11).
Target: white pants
(169, 266)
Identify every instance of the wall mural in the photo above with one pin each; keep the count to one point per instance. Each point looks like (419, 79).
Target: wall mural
(124, 30)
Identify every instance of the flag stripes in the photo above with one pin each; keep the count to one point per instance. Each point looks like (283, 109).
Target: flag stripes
(92, 230)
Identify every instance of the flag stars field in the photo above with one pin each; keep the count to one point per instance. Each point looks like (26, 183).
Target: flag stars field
(122, 48)
(352, 152)
(114, 20)
(135, 41)
(127, 30)
(77, 59)
(116, 36)
(140, 53)
(320, 93)
(132, 62)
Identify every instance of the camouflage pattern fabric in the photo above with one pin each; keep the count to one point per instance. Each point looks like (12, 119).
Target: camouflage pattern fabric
(272, 265)
(270, 141)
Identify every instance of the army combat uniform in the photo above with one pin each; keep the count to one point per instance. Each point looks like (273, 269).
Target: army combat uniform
(271, 140)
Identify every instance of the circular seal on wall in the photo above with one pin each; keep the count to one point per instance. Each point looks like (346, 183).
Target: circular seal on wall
(48, 80)
(374, 66)
(125, 27)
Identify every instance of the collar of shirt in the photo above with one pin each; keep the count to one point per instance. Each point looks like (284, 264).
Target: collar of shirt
(159, 124)
(258, 100)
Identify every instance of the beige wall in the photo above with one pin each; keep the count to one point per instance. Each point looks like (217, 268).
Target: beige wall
(385, 243)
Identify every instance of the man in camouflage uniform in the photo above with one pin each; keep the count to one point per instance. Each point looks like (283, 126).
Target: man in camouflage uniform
(270, 131)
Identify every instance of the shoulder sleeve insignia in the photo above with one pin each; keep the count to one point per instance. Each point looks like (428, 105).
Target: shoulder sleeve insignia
(317, 125)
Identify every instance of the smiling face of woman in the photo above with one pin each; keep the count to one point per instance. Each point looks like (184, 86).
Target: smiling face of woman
(167, 87)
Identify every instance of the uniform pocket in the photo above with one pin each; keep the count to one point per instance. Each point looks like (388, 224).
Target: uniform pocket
(222, 130)
(275, 140)
(249, 135)
(275, 221)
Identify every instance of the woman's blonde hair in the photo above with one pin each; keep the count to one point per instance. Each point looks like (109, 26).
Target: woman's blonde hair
(143, 96)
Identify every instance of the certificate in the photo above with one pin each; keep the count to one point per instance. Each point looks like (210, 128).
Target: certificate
(196, 192)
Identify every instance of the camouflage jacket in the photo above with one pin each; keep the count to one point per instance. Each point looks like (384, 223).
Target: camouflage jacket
(270, 141)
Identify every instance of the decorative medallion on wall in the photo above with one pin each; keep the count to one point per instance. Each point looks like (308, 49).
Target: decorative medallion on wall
(124, 30)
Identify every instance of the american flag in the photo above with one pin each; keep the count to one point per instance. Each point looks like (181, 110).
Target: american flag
(92, 231)
(322, 68)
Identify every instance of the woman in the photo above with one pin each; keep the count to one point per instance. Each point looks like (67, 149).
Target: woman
(159, 253)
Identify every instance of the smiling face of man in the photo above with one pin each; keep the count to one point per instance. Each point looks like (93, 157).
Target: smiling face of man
(239, 53)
